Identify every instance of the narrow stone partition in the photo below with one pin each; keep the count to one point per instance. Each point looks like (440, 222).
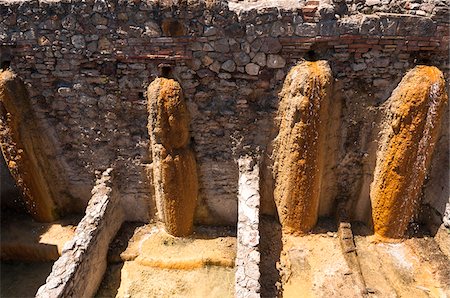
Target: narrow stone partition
(28, 151)
(410, 130)
(79, 270)
(299, 146)
(174, 166)
(248, 255)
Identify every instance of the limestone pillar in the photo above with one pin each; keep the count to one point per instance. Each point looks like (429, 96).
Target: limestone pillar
(299, 146)
(409, 134)
(174, 166)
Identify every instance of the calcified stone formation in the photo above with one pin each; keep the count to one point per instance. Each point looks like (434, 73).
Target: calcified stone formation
(24, 146)
(174, 167)
(298, 148)
(411, 128)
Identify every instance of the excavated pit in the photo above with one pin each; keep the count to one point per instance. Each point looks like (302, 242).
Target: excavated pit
(224, 149)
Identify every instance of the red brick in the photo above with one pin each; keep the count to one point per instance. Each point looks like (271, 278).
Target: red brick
(411, 42)
(307, 9)
(373, 41)
(387, 41)
(423, 44)
(358, 46)
(427, 48)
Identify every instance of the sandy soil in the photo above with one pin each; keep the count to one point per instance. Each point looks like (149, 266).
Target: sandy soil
(415, 267)
(315, 265)
(155, 264)
(22, 238)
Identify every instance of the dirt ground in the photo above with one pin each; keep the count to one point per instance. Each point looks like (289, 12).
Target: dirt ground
(19, 279)
(151, 263)
(22, 238)
(314, 265)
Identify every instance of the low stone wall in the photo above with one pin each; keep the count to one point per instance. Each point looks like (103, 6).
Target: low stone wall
(79, 270)
(248, 256)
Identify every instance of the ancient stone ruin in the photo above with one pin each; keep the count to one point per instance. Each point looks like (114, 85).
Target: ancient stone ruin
(224, 148)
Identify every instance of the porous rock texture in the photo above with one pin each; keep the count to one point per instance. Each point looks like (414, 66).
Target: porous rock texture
(299, 146)
(174, 166)
(28, 152)
(411, 127)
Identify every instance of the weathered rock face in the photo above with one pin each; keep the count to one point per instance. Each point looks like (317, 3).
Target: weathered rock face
(174, 166)
(25, 148)
(298, 148)
(412, 122)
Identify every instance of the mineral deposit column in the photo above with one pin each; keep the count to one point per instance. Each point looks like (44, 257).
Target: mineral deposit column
(174, 167)
(299, 145)
(410, 130)
(23, 146)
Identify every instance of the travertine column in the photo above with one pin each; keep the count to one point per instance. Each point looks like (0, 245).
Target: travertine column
(174, 166)
(410, 131)
(25, 148)
(299, 147)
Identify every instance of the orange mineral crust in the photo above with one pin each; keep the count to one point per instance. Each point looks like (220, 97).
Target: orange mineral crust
(23, 147)
(299, 146)
(174, 166)
(410, 130)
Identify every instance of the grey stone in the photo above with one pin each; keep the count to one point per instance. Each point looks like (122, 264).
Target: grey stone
(307, 29)
(370, 25)
(326, 11)
(270, 45)
(245, 47)
(382, 62)
(241, 58)
(152, 29)
(206, 60)
(277, 29)
(215, 66)
(69, 22)
(358, 66)
(208, 48)
(256, 45)
(98, 19)
(260, 59)
(222, 45)
(229, 66)
(78, 41)
(252, 69)
(328, 28)
(348, 25)
(210, 31)
(275, 61)
(388, 26)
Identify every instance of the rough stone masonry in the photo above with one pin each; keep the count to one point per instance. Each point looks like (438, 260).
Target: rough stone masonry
(87, 64)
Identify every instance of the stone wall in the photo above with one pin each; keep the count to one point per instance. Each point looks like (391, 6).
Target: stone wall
(79, 270)
(248, 255)
(87, 65)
